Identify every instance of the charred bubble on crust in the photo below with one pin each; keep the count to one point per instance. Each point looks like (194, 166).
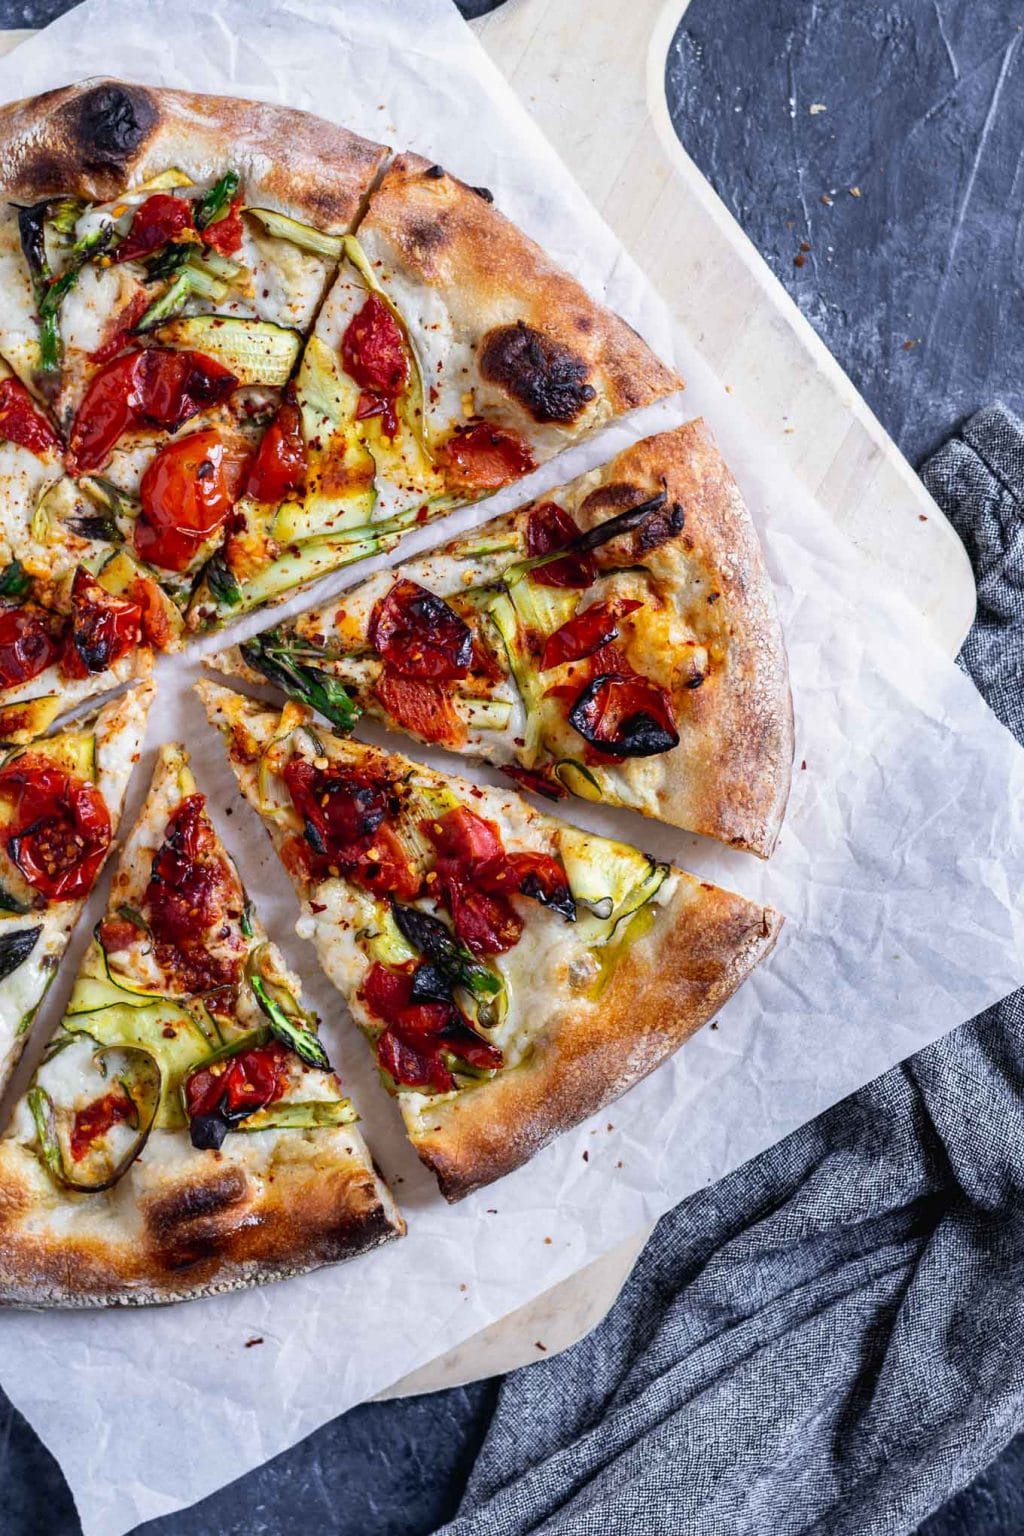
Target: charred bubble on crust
(485, 193)
(111, 123)
(435, 172)
(426, 237)
(543, 374)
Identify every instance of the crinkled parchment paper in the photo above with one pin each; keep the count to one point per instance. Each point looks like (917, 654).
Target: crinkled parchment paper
(899, 868)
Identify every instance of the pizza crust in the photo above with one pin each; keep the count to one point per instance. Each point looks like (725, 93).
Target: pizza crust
(663, 989)
(432, 238)
(102, 136)
(214, 1221)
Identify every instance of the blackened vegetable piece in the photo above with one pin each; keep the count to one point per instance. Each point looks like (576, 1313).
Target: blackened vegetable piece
(430, 936)
(625, 715)
(603, 533)
(15, 948)
(418, 635)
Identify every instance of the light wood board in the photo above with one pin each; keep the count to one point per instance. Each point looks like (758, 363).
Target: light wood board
(592, 73)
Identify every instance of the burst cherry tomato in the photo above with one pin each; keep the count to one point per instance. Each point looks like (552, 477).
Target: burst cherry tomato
(189, 897)
(219, 1096)
(585, 632)
(476, 876)
(186, 493)
(625, 715)
(373, 351)
(482, 458)
(422, 707)
(99, 1117)
(121, 328)
(60, 832)
(279, 468)
(28, 645)
(551, 527)
(156, 222)
(103, 627)
(22, 422)
(225, 235)
(418, 635)
(538, 781)
(154, 388)
(410, 1049)
(346, 820)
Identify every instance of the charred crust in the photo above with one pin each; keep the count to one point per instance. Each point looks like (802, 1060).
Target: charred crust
(173, 1218)
(111, 122)
(426, 237)
(543, 374)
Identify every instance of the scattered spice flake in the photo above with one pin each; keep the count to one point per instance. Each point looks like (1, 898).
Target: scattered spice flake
(492, 1210)
(618, 1165)
(911, 343)
(855, 191)
(542, 1347)
(805, 245)
(463, 1287)
(586, 1155)
(609, 1126)
(803, 763)
(549, 1240)
(922, 517)
(250, 1343)
(714, 1023)
(826, 200)
(799, 260)
(816, 107)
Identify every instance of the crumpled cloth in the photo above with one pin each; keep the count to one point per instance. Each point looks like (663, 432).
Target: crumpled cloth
(831, 1339)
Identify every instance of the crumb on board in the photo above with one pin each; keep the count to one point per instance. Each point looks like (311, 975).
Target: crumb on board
(538, 1345)
(855, 191)
(251, 1343)
(816, 107)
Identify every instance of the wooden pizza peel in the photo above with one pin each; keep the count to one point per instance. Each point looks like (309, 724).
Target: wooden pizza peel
(598, 93)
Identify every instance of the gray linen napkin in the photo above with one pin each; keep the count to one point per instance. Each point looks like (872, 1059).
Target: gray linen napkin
(831, 1339)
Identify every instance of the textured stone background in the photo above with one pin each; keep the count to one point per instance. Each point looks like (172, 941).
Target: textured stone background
(914, 286)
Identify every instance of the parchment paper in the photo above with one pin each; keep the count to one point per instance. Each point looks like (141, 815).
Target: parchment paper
(899, 868)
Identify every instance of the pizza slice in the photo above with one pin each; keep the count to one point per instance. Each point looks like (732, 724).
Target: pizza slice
(617, 638)
(185, 1133)
(451, 356)
(513, 973)
(60, 803)
(159, 275)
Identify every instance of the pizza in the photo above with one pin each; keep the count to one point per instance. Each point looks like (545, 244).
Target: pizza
(60, 804)
(184, 1133)
(616, 638)
(513, 973)
(238, 351)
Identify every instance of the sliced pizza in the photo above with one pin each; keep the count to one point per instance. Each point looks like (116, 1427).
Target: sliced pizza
(185, 1133)
(60, 804)
(159, 272)
(513, 973)
(617, 638)
(451, 357)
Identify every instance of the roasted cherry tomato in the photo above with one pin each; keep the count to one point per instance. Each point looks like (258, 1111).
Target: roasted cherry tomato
(154, 388)
(279, 468)
(155, 223)
(422, 707)
(585, 632)
(412, 1046)
(191, 897)
(373, 351)
(482, 458)
(550, 528)
(418, 635)
(186, 493)
(99, 1117)
(22, 422)
(220, 1096)
(28, 645)
(61, 828)
(225, 235)
(103, 627)
(625, 715)
(345, 816)
(475, 876)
